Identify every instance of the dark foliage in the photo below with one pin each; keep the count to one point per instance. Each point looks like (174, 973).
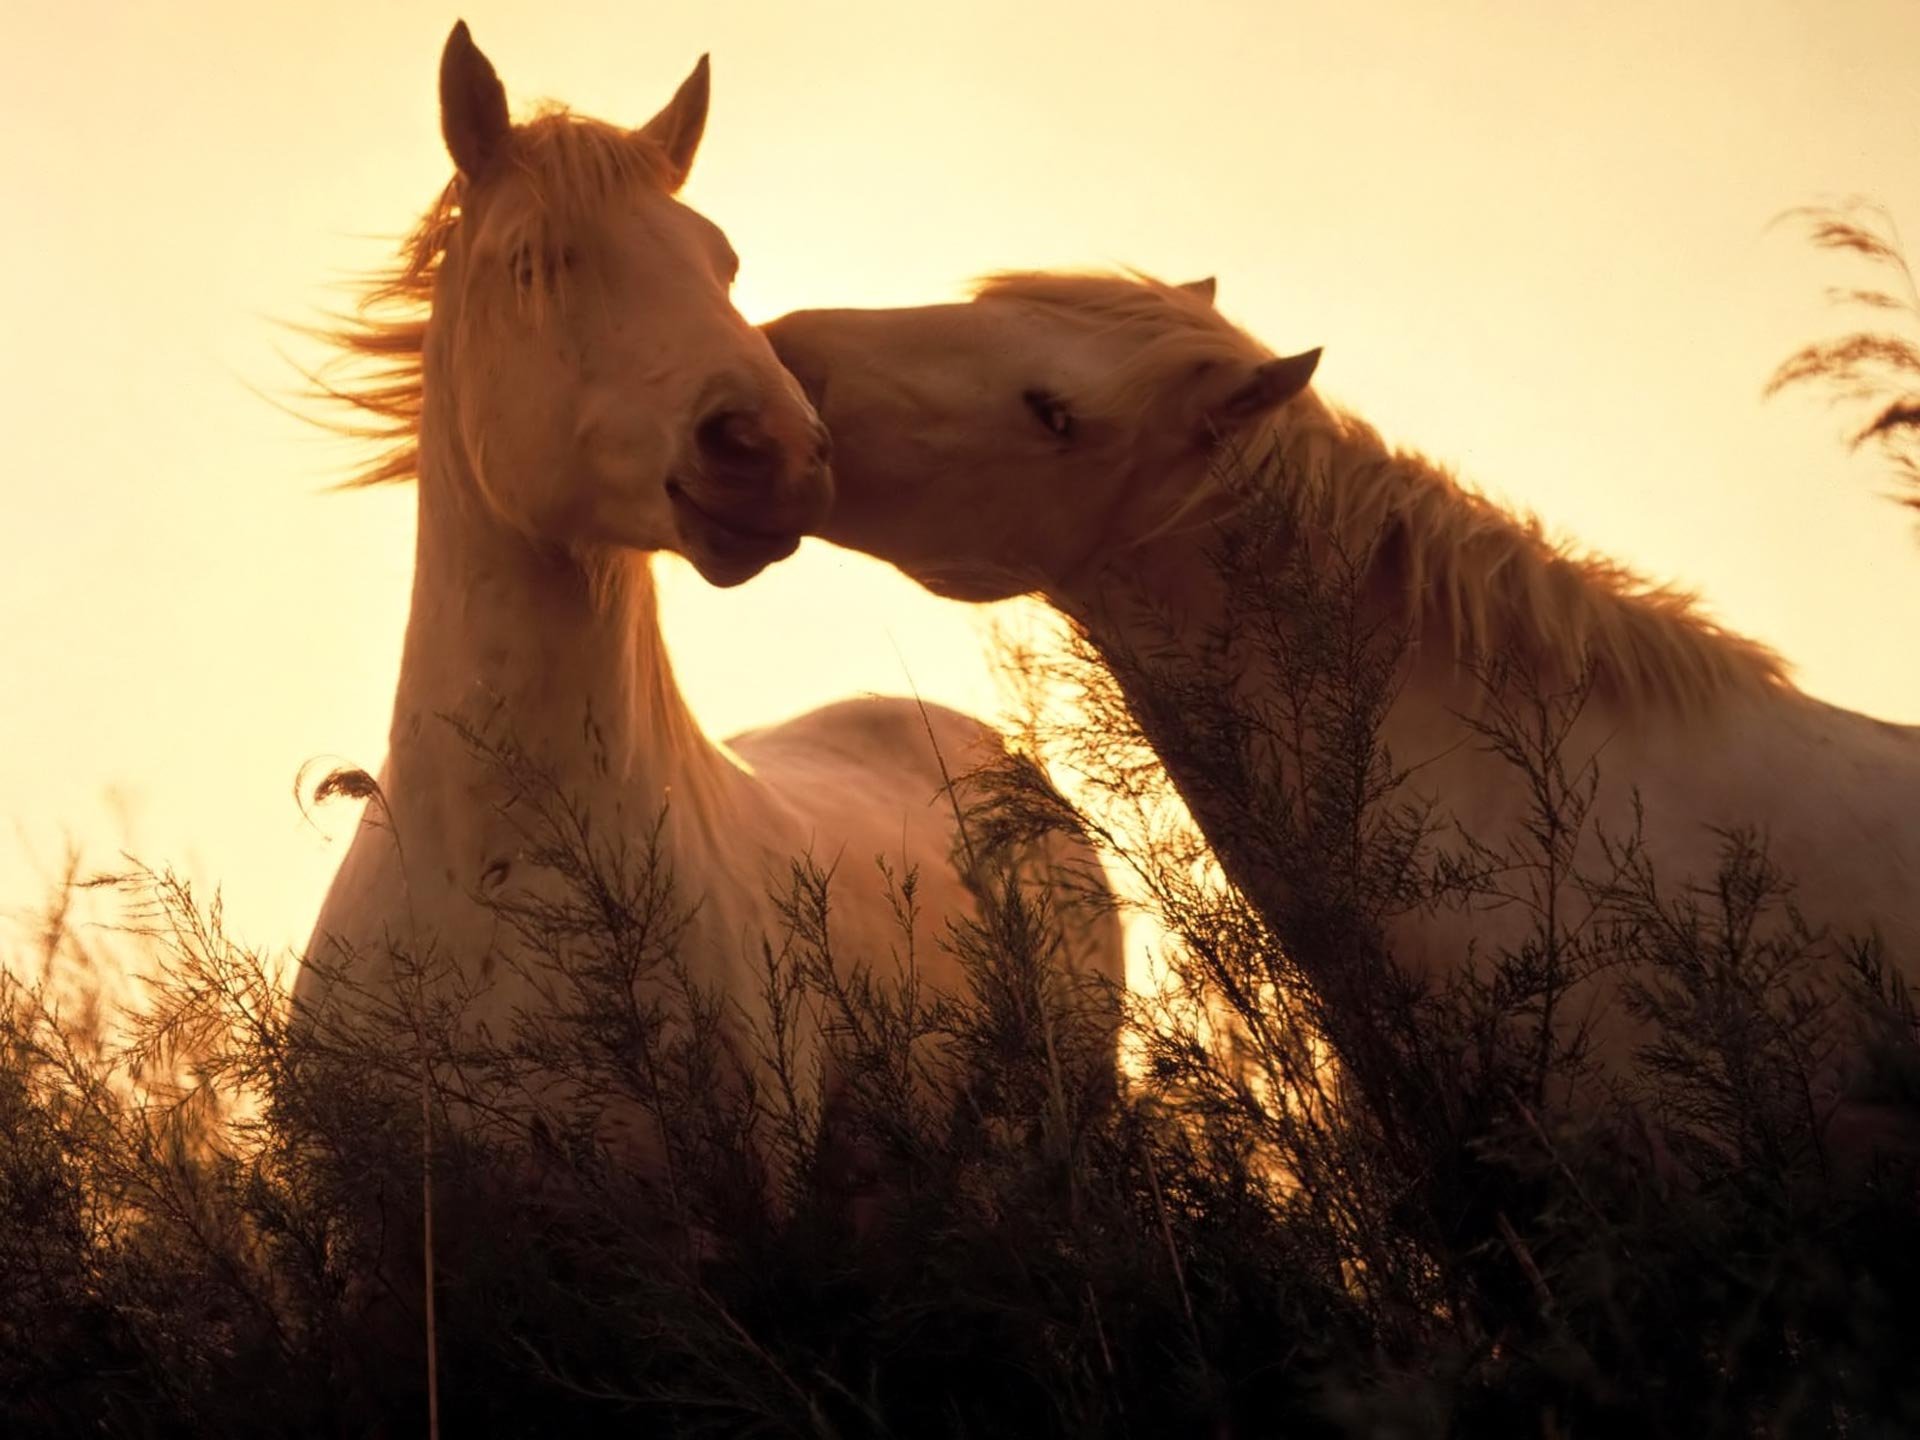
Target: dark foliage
(1345, 1207)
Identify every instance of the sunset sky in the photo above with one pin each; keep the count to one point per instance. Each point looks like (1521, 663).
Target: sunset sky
(1534, 240)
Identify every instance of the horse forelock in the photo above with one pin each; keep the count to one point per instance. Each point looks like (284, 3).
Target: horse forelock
(373, 387)
(1172, 335)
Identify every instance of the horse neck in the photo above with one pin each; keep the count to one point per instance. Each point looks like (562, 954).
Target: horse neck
(1194, 656)
(1181, 635)
(1170, 589)
(531, 651)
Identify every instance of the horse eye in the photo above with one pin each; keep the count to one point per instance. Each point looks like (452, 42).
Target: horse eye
(1050, 410)
(549, 266)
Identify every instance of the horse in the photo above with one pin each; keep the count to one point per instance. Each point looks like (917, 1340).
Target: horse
(1102, 439)
(554, 359)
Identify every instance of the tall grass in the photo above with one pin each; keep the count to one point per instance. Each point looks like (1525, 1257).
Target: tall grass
(1324, 1200)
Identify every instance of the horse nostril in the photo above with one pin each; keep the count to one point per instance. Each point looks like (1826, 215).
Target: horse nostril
(733, 440)
(733, 433)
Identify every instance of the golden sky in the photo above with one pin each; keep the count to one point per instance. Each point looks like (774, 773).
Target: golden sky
(1533, 239)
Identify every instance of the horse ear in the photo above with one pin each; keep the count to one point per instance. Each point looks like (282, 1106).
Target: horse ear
(1203, 288)
(1270, 386)
(678, 128)
(473, 105)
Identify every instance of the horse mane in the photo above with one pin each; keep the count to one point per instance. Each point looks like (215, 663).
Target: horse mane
(1173, 334)
(1496, 585)
(373, 387)
(1493, 582)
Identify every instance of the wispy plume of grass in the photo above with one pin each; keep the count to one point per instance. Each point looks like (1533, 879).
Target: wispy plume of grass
(1873, 370)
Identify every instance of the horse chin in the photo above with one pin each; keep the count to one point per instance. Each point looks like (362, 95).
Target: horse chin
(724, 573)
(975, 585)
(725, 552)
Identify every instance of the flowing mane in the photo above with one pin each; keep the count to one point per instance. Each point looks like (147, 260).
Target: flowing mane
(1492, 582)
(372, 388)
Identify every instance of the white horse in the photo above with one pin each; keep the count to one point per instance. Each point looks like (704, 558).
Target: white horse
(556, 360)
(1061, 434)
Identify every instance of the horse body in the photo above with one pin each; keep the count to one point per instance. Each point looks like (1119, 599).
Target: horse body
(1830, 794)
(571, 387)
(1062, 434)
